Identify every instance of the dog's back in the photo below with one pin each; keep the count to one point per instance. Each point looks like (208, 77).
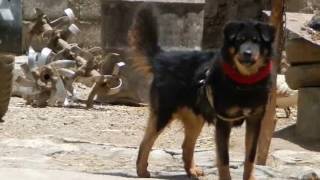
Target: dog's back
(176, 74)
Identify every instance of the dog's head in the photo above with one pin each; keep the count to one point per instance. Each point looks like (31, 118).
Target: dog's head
(248, 45)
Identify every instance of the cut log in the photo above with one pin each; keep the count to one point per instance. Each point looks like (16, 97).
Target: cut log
(308, 124)
(268, 123)
(301, 51)
(303, 76)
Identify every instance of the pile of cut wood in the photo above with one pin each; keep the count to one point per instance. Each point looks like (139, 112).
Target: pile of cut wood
(49, 75)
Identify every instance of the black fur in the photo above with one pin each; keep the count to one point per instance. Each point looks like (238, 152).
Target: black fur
(176, 84)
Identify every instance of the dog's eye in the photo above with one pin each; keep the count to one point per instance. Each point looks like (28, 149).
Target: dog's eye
(241, 39)
(254, 39)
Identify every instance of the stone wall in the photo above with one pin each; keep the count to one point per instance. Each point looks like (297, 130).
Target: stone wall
(88, 13)
(180, 23)
(219, 12)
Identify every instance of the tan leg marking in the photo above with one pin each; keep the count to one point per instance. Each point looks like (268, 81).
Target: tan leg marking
(224, 173)
(150, 136)
(192, 128)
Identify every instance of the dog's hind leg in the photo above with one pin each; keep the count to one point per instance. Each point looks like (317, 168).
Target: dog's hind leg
(193, 126)
(251, 141)
(149, 138)
(223, 130)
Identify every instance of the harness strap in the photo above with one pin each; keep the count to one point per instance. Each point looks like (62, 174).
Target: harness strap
(210, 99)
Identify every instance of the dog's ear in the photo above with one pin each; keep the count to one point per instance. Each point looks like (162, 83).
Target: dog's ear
(231, 30)
(267, 31)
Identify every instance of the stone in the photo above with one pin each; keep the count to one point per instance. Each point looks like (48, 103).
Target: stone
(157, 155)
(218, 13)
(309, 175)
(39, 174)
(303, 76)
(53, 9)
(297, 158)
(179, 28)
(308, 123)
(301, 51)
(296, 5)
(45, 144)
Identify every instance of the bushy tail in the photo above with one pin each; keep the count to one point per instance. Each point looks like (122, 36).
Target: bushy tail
(143, 38)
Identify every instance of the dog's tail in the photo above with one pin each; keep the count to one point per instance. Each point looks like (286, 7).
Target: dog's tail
(143, 39)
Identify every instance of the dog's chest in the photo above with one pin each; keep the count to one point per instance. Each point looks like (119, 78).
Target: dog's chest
(235, 111)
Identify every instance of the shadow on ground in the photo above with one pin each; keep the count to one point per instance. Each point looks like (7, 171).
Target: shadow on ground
(290, 135)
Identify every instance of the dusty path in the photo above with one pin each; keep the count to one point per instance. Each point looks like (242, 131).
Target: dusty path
(104, 140)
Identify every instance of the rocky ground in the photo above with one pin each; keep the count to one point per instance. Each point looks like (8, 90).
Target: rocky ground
(101, 143)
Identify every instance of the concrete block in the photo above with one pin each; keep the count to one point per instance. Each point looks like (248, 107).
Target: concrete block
(90, 10)
(303, 76)
(53, 9)
(180, 23)
(296, 5)
(308, 122)
(301, 51)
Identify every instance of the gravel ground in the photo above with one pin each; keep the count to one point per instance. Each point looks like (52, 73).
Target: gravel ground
(97, 130)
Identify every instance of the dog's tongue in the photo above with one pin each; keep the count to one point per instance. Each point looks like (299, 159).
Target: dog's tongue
(242, 79)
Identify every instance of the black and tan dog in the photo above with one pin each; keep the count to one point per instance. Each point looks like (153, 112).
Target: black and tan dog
(224, 88)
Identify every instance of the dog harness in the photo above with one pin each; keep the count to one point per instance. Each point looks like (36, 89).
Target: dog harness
(210, 98)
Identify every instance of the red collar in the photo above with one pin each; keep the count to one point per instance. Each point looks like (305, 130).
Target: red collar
(247, 80)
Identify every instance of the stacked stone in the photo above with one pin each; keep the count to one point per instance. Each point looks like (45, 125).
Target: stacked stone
(88, 13)
(304, 74)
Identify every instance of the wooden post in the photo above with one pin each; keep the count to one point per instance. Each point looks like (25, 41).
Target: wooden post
(269, 122)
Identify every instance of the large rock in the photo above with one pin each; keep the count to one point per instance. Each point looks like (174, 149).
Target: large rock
(44, 157)
(308, 123)
(218, 13)
(90, 10)
(40, 174)
(180, 22)
(301, 51)
(303, 76)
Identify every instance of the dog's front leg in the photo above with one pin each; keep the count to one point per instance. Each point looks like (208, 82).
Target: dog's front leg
(252, 136)
(223, 130)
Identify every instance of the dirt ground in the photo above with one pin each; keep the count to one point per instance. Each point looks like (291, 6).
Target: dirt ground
(123, 126)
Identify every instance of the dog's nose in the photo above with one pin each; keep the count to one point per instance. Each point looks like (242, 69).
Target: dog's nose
(247, 53)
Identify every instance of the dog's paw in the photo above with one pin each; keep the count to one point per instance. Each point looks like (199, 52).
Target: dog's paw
(143, 173)
(195, 172)
(251, 178)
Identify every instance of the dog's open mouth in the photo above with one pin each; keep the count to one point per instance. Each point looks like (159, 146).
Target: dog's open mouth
(248, 66)
(247, 62)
